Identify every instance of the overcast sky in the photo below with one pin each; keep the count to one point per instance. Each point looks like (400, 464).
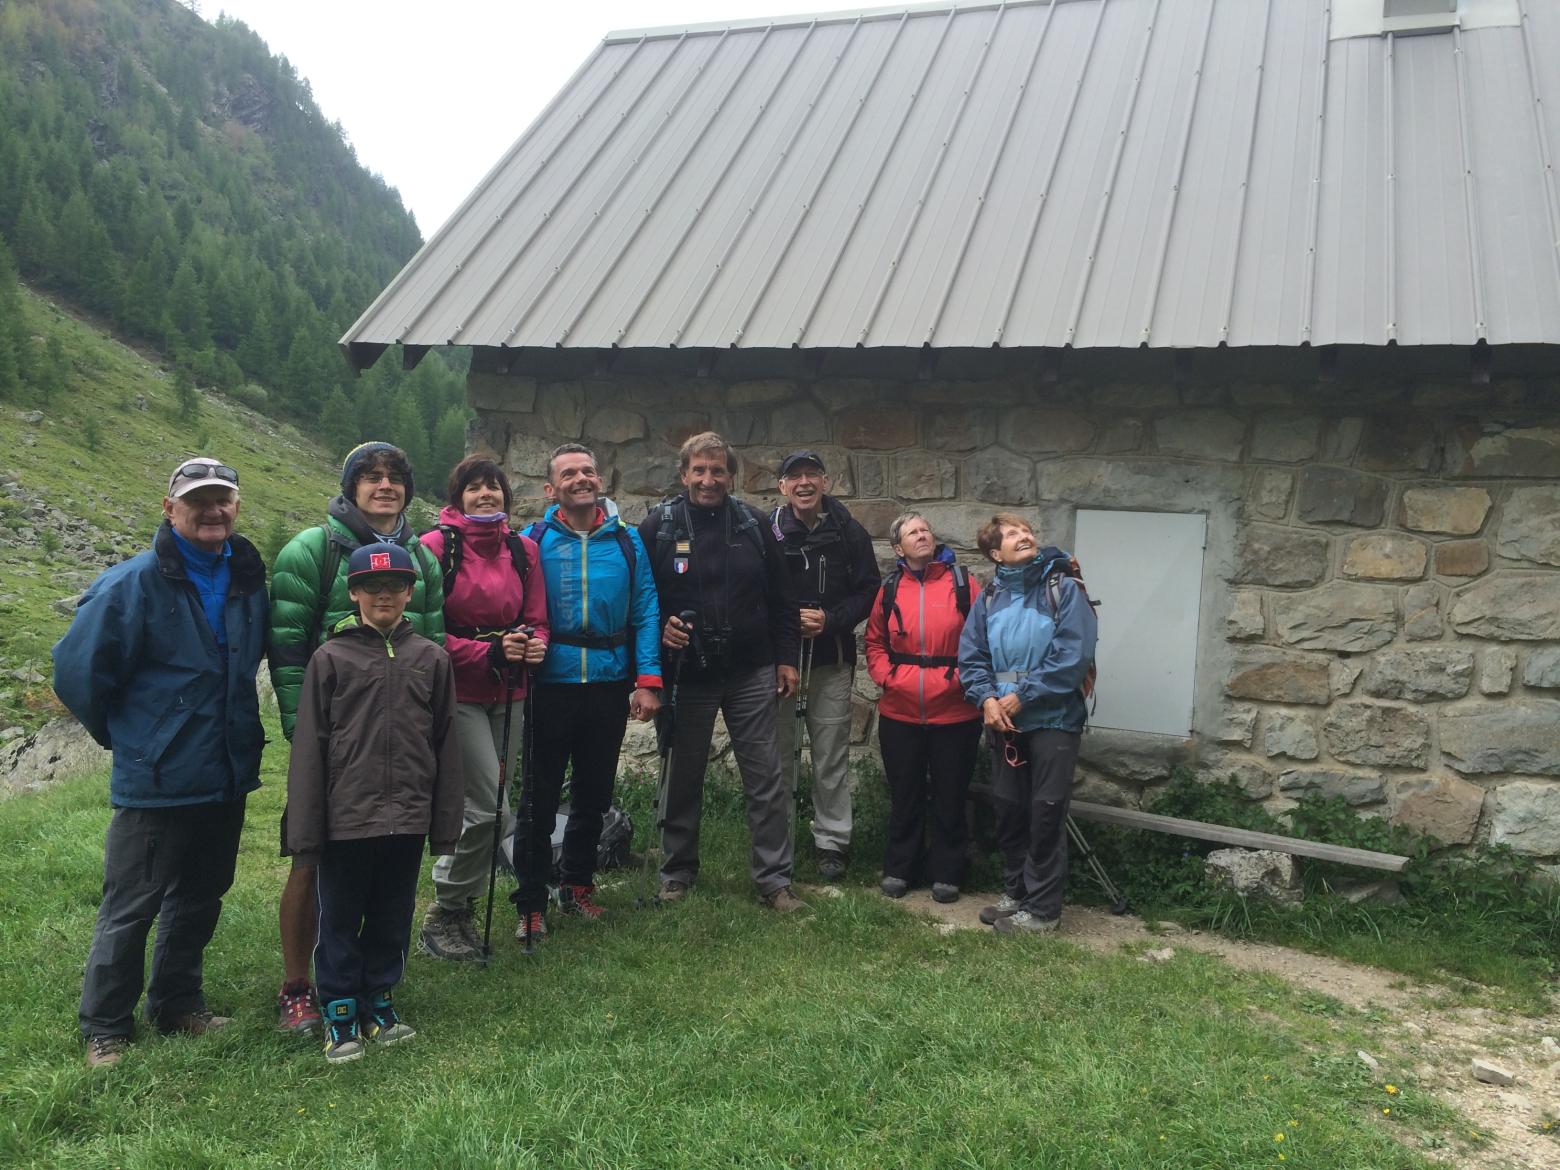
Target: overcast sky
(432, 94)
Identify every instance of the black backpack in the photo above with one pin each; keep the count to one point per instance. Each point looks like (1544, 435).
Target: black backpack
(670, 530)
(890, 606)
(449, 560)
(962, 594)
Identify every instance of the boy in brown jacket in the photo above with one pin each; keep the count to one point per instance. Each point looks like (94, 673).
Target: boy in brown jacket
(375, 769)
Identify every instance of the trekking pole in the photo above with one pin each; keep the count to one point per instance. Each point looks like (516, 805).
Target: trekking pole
(1118, 900)
(798, 730)
(666, 730)
(523, 830)
(498, 808)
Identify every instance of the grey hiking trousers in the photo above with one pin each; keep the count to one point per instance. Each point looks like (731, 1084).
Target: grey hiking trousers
(480, 729)
(828, 746)
(747, 701)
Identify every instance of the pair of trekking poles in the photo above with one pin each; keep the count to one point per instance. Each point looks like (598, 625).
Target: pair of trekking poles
(513, 672)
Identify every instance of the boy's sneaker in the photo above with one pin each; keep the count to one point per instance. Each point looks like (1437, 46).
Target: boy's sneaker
(297, 1008)
(384, 1025)
(1023, 922)
(342, 1041)
(579, 900)
(537, 923)
(831, 864)
(785, 900)
(443, 935)
(1004, 907)
(106, 1051)
(893, 887)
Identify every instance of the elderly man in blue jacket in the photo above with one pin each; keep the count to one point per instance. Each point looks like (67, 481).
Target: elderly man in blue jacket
(1026, 659)
(159, 665)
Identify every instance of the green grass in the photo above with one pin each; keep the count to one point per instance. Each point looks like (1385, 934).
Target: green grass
(286, 481)
(710, 1033)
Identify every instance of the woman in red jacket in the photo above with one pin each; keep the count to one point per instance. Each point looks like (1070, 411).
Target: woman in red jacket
(493, 587)
(927, 732)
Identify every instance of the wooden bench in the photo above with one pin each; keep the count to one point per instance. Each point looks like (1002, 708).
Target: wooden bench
(1131, 818)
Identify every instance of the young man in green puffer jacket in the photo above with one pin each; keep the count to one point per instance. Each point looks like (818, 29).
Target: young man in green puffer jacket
(376, 483)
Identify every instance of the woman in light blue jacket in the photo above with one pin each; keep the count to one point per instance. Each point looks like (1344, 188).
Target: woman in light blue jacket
(1026, 659)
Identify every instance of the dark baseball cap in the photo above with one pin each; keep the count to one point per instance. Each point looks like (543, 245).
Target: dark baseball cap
(380, 560)
(796, 458)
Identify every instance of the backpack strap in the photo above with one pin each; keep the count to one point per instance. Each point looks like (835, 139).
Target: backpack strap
(517, 557)
(330, 565)
(890, 600)
(449, 559)
(961, 589)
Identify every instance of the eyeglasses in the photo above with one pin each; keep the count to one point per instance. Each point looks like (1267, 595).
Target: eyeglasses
(200, 471)
(381, 477)
(1010, 753)
(378, 585)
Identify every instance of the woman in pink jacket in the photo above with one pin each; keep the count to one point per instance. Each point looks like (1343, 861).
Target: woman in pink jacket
(493, 592)
(927, 732)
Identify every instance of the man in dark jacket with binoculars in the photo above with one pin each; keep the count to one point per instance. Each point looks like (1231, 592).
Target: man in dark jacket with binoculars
(714, 556)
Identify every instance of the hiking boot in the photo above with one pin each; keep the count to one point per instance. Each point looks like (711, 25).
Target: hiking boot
(1004, 907)
(578, 900)
(672, 890)
(443, 935)
(785, 901)
(297, 1008)
(536, 921)
(343, 1042)
(945, 892)
(196, 1023)
(468, 925)
(106, 1051)
(384, 1025)
(893, 887)
(831, 864)
(1023, 922)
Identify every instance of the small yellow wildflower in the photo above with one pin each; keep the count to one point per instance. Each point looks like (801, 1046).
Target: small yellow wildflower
(1279, 1136)
(1281, 1157)
(1161, 1137)
(1293, 1123)
(1391, 1090)
(1386, 1112)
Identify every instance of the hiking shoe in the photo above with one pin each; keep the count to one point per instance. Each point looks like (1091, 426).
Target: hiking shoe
(893, 887)
(1023, 922)
(106, 1051)
(785, 901)
(468, 924)
(672, 890)
(443, 935)
(297, 1008)
(536, 921)
(1004, 906)
(384, 1025)
(578, 900)
(343, 1042)
(196, 1023)
(831, 864)
(945, 892)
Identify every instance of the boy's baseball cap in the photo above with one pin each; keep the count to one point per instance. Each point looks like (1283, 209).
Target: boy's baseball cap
(380, 560)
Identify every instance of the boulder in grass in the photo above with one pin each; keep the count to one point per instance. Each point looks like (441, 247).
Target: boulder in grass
(1259, 873)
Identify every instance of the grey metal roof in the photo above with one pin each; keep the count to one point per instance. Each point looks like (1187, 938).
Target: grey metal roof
(1086, 173)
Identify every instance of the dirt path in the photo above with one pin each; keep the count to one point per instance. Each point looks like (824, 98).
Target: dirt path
(1420, 1039)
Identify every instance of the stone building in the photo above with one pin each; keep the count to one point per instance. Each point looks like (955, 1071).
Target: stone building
(1256, 306)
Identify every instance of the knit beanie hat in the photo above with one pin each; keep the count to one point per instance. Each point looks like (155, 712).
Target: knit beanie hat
(362, 455)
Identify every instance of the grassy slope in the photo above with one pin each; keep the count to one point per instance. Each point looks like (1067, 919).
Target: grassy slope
(710, 1033)
(118, 487)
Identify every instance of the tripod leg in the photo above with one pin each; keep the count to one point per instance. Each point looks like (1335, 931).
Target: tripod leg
(1118, 901)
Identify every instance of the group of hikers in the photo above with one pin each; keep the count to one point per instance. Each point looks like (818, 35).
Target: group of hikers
(401, 663)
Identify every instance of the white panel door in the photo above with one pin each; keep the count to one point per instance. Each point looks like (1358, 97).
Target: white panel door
(1145, 570)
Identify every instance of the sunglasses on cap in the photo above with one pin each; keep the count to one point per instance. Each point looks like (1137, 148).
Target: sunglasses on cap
(199, 471)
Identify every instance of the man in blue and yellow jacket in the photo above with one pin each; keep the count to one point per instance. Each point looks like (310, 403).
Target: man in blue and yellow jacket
(1026, 658)
(159, 665)
(603, 665)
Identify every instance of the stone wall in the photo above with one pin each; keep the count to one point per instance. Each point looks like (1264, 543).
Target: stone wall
(1381, 597)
